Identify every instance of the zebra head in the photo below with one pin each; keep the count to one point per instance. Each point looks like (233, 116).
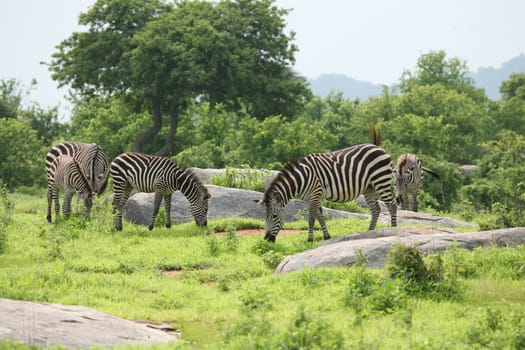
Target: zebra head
(274, 216)
(199, 208)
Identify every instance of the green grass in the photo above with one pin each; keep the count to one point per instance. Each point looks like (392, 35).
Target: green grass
(220, 291)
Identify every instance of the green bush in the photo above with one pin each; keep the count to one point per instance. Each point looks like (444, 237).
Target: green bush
(243, 178)
(6, 209)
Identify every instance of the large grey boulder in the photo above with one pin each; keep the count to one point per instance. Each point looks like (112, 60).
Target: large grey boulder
(224, 202)
(343, 251)
(74, 327)
(231, 202)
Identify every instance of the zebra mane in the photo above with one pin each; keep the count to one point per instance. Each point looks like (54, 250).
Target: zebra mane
(401, 162)
(289, 167)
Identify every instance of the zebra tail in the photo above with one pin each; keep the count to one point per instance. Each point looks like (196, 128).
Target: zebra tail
(376, 135)
(431, 172)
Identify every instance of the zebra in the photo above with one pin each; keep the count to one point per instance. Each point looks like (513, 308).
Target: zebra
(338, 176)
(67, 176)
(408, 174)
(160, 175)
(91, 158)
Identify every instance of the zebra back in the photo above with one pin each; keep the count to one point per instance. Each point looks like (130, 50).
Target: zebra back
(90, 157)
(68, 176)
(161, 175)
(338, 176)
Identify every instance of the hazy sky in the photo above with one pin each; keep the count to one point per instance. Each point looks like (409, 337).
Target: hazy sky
(370, 40)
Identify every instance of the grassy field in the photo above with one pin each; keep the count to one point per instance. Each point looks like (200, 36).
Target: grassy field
(220, 290)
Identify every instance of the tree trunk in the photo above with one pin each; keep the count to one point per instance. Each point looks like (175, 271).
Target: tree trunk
(149, 134)
(167, 149)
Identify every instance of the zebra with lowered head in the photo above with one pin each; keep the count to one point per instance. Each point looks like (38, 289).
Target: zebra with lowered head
(338, 176)
(67, 176)
(89, 156)
(408, 174)
(160, 175)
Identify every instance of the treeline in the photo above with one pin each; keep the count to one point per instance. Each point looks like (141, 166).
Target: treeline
(233, 100)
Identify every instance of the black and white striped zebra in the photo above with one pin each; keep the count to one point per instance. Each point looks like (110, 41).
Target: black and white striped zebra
(338, 176)
(409, 173)
(68, 177)
(147, 173)
(89, 156)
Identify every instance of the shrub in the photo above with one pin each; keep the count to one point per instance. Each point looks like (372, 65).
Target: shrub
(6, 209)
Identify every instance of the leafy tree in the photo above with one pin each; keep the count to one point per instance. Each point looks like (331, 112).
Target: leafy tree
(21, 155)
(45, 122)
(511, 114)
(433, 68)
(499, 187)
(12, 94)
(172, 54)
(112, 123)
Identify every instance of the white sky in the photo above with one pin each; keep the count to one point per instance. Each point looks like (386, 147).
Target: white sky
(369, 40)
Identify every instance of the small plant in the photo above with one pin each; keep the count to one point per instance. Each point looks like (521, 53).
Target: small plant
(243, 178)
(213, 245)
(272, 259)
(311, 332)
(6, 209)
(232, 241)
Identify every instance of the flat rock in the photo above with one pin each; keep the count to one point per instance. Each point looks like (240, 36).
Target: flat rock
(74, 327)
(343, 251)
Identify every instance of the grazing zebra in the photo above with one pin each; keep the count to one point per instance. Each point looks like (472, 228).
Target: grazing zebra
(67, 176)
(409, 173)
(148, 173)
(89, 156)
(338, 176)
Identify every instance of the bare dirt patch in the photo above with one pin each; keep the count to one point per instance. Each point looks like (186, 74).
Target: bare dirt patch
(258, 232)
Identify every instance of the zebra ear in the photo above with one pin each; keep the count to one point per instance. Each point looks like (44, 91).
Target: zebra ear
(258, 202)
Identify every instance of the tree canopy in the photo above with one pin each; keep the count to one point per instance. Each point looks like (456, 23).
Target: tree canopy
(170, 54)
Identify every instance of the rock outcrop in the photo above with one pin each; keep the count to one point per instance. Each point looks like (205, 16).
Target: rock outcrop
(230, 202)
(343, 251)
(75, 327)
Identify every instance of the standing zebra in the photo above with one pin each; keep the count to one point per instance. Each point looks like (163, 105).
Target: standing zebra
(148, 173)
(409, 174)
(67, 176)
(90, 157)
(338, 176)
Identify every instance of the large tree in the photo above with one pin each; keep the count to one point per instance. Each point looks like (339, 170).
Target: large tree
(234, 52)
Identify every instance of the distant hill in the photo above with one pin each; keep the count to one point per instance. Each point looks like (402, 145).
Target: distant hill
(488, 78)
(350, 87)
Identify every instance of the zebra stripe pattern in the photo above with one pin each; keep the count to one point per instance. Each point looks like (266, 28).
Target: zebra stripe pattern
(409, 174)
(67, 176)
(90, 157)
(338, 176)
(160, 175)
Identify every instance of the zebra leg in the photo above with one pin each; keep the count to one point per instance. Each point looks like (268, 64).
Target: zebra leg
(415, 192)
(312, 213)
(392, 209)
(167, 207)
(120, 197)
(49, 203)
(57, 203)
(322, 221)
(66, 207)
(89, 204)
(404, 203)
(156, 206)
(373, 204)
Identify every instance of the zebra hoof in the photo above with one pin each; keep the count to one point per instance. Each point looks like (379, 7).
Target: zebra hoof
(150, 227)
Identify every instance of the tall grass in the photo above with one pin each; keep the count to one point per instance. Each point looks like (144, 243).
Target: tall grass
(220, 290)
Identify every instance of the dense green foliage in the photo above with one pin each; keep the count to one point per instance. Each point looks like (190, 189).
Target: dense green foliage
(220, 290)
